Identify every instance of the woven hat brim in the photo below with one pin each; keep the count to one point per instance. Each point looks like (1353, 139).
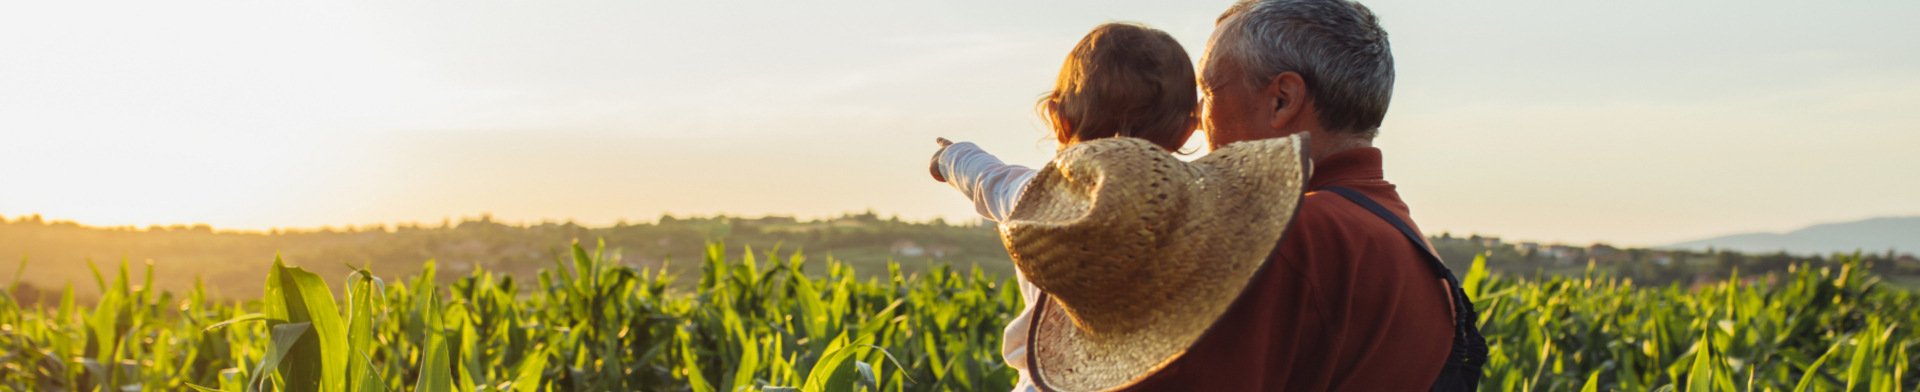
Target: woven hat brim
(1239, 205)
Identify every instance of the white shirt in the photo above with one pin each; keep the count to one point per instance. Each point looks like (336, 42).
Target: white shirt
(994, 187)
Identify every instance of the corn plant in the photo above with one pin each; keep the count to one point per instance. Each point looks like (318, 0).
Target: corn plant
(1817, 328)
(757, 322)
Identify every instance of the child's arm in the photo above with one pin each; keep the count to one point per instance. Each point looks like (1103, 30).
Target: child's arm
(993, 186)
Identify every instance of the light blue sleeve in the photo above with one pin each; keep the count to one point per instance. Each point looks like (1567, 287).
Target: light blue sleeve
(992, 185)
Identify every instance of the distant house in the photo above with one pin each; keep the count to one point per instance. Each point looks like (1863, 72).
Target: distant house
(908, 248)
(1768, 279)
(1475, 240)
(1561, 253)
(941, 251)
(911, 249)
(1700, 280)
(1527, 248)
(1661, 257)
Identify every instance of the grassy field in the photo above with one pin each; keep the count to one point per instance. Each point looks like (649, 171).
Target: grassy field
(755, 323)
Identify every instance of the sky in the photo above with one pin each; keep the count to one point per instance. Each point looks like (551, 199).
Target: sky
(1627, 122)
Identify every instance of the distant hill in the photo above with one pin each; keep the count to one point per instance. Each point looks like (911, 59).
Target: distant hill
(232, 262)
(1874, 235)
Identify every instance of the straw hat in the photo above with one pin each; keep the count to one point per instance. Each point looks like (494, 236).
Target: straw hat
(1139, 252)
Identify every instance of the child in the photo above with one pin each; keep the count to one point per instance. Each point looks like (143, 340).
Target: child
(1121, 80)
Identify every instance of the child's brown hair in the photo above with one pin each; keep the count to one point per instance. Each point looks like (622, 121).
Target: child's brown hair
(1124, 79)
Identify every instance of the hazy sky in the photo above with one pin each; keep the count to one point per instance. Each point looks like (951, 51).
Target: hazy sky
(1633, 122)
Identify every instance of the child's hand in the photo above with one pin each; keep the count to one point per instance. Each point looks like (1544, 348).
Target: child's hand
(935, 165)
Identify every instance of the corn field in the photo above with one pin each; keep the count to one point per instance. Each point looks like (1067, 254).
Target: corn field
(759, 324)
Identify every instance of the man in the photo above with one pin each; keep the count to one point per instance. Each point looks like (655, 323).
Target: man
(1347, 303)
(1351, 298)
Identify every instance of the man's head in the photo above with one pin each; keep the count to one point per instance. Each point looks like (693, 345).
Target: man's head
(1278, 67)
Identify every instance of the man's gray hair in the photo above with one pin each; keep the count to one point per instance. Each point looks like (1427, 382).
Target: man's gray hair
(1337, 47)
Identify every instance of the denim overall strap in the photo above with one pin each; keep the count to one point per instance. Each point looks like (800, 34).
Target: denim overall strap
(1469, 352)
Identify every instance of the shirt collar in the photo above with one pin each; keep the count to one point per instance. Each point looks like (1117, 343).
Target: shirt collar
(1359, 164)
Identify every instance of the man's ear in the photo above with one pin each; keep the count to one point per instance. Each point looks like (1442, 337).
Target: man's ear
(1289, 94)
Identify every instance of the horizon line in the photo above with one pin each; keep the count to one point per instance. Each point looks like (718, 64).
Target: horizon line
(487, 217)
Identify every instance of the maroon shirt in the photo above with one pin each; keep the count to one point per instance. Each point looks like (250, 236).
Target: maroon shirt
(1346, 304)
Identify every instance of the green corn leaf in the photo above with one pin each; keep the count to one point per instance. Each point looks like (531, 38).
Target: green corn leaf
(812, 312)
(436, 368)
(205, 389)
(361, 307)
(122, 285)
(835, 371)
(527, 377)
(97, 278)
(749, 362)
(239, 319)
(1813, 370)
(696, 379)
(867, 378)
(294, 295)
(285, 337)
(468, 373)
(584, 267)
(103, 326)
(1863, 345)
(146, 285)
(1476, 276)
